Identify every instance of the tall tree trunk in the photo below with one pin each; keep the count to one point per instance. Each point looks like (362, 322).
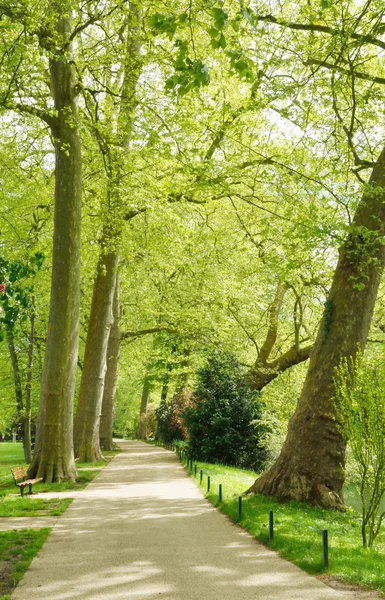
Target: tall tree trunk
(87, 421)
(165, 383)
(111, 378)
(147, 388)
(86, 434)
(182, 379)
(28, 394)
(310, 467)
(17, 381)
(53, 457)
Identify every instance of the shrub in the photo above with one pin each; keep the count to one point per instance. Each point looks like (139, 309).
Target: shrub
(360, 410)
(169, 418)
(223, 421)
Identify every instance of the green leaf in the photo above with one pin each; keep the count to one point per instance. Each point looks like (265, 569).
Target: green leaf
(222, 41)
(161, 24)
(220, 17)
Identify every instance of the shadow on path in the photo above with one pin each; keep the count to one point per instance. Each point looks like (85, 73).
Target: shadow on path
(143, 530)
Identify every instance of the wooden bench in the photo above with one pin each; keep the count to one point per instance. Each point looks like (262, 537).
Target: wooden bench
(21, 473)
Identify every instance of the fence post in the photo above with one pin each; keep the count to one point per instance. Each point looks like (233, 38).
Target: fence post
(325, 548)
(239, 508)
(208, 483)
(220, 493)
(271, 526)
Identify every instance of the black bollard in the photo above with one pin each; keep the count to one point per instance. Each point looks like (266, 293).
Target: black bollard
(208, 483)
(325, 548)
(220, 493)
(271, 526)
(239, 508)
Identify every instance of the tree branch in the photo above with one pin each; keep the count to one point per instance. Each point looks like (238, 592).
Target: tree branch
(272, 331)
(333, 67)
(262, 374)
(29, 110)
(133, 334)
(368, 39)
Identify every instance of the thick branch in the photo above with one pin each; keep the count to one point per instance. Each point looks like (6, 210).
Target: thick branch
(271, 336)
(262, 374)
(367, 39)
(30, 110)
(358, 74)
(132, 334)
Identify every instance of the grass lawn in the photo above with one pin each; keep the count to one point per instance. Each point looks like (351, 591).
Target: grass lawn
(11, 502)
(298, 527)
(17, 549)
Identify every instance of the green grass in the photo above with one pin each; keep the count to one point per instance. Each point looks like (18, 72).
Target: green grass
(15, 506)
(298, 527)
(17, 549)
(11, 502)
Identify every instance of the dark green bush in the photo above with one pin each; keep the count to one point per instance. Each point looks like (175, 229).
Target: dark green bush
(222, 422)
(169, 419)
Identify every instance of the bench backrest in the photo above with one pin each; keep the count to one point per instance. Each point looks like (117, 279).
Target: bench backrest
(19, 473)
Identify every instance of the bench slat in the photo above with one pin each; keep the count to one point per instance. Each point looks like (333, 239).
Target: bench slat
(30, 481)
(21, 473)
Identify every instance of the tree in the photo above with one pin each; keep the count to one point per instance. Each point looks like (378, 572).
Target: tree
(111, 378)
(53, 456)
(114, 146)
(222, 421)
(170, 424)
(17, 303)
(310, 466)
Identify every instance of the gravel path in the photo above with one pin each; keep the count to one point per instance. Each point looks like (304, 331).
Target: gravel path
(142, 530)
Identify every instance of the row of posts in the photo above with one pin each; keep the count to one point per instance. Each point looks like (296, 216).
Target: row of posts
(184, 457)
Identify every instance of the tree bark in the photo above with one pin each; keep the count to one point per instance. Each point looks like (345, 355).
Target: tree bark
(182, 379)
(142, 429)
(265, 371)
(111, 378)
(87, 421)
(28, 395)
(53, 457)
(16, 380)
(310, 467)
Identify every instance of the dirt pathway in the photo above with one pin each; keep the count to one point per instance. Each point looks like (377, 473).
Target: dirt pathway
(142, 530)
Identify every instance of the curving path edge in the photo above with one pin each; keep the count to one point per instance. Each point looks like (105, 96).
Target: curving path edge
(143, 530)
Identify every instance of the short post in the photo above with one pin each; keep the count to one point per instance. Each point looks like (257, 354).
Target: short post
(208, 483)
(239, 508)
(271, 526)
(220, 493)
(195, 470)
(200, 476)
(325, 548)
